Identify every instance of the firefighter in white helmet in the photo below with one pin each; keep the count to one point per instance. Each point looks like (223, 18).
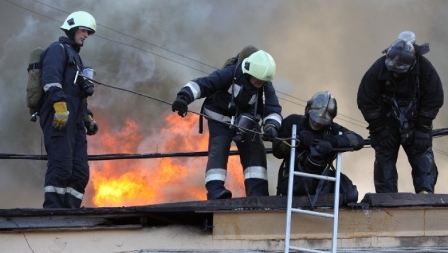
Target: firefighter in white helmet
(64, 117)
(236, 92)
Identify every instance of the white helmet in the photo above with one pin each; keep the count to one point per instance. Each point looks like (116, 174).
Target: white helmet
(260, 65)
(80, 19)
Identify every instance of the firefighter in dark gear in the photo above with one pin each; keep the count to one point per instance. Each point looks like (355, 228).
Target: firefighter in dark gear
(239, 94)
(64, 115)
(317, 136)
(400, 96)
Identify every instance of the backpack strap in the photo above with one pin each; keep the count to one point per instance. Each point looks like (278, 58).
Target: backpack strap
(201, 119)
(71, 59)
(281, 173)
(34, 65)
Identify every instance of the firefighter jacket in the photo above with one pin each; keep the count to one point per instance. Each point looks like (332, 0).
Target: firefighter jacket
(347, 139)
(228, 93)
(378, 87)
(306, 162)
(59, 77)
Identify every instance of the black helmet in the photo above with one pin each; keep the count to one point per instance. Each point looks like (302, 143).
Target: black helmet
(322, 108)
(400, 56)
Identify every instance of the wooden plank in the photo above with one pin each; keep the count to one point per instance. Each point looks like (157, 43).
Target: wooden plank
(26, 223)
(383, 222)
(405, 199)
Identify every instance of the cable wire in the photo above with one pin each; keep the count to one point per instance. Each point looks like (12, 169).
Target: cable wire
(362, 124)
(166, 58)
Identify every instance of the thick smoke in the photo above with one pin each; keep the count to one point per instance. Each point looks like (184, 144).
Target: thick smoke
(155, 47)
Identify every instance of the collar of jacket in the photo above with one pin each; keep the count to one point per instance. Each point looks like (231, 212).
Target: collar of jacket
(70, 42)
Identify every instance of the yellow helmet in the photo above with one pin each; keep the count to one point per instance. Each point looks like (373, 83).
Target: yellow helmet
(260, 65)
(80, 19)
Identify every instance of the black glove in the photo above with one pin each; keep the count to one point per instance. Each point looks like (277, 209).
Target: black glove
(306, 138)
(383, 138)
(424, 123)
(422, 140)
(88, 88)
(283, 147)
(376, 125)
(324, 147)
(269, 132)
(91, 126)
(180, 105)
(333, 139)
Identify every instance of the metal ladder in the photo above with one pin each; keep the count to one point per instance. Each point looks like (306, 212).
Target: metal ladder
(334, 216)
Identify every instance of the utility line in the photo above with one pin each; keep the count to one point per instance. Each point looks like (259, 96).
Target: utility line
(166, 58)
(436, 134)
(138, 39)
(188, 66)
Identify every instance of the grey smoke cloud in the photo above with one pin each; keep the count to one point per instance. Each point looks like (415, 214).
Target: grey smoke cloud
(155, 47)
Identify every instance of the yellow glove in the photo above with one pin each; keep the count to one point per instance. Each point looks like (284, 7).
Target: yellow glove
(60, 115)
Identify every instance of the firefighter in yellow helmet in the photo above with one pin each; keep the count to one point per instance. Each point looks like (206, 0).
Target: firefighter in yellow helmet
(235, 94)
(64, 117)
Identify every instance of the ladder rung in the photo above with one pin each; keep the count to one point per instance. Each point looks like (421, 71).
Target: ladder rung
(326, 215)
(305, 249)
(298, 173)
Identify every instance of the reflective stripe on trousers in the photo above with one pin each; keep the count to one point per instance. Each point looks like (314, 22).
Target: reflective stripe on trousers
(63, 191)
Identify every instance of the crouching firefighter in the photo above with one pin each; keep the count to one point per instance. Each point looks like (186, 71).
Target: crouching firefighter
(234, 97)
(318, 136)
(64, 117)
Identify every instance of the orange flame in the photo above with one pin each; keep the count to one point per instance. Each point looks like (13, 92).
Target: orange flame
(148, 181)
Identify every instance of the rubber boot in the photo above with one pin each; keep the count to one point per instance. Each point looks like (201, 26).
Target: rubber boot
(256, 187)
(216, 190)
